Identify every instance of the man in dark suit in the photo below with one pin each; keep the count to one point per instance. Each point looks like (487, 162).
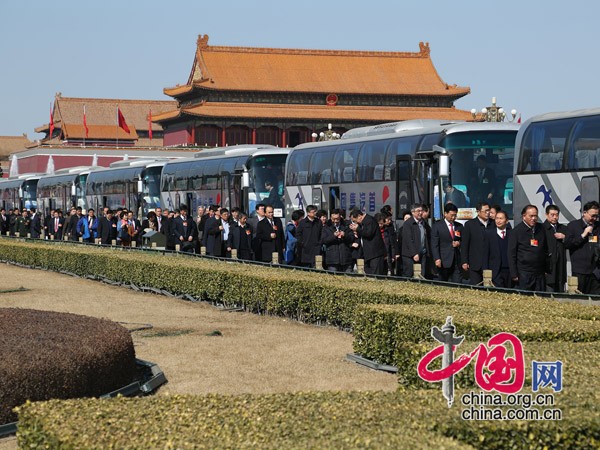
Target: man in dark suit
(213, 220)
(185, 231)
(445, 245)
(473, 243)
(273, 197)
(270, 236)
(528, 252)
(416, 235)
(47, 221)
(56, 225)
(496, 251)
(582, 241)
(308, 237)
(454, 196)
(483, 183)
(4, 224)
(218, 231)
(71, 227)
(372, 241)
(107, 228)
(259, 215)
(555, 234)
(337, 239)
(36, 224)
(240, 238)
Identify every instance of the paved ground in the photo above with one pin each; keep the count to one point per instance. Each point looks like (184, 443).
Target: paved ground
(254, 354)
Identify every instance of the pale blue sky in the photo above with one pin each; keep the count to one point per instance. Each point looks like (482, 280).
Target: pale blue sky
(535, 56)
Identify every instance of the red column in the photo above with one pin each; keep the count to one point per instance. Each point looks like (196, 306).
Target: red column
(193, 134)
(223, 137)
(283, 143)
(253, 136)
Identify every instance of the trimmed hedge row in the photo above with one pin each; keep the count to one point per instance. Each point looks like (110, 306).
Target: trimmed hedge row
(326, 420)
(306, 296)
(47, 355)
(409, 419)
(382, 332)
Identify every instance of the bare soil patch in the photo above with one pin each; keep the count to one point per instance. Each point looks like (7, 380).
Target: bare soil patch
(200, 348)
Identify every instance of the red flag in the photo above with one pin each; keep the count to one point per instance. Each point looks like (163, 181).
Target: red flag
(121, 119)
(519, 121)
(87, 131)
(150, 125)
(51, 122)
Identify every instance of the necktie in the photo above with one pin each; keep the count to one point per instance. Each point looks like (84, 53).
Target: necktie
(503, 234)
(451, 230)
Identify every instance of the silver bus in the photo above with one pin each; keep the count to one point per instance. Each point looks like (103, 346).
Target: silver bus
(64, 189)
(19, 192)
(231, 177)
(558, 161)
(133, 184)
(397, 164)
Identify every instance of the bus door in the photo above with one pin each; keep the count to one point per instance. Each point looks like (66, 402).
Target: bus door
(334, 198)
(590, 189)
(404, 184)
(317, 196)
(225, 190)
(190, 203)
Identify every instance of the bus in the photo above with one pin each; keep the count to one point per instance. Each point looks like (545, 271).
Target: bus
(558, 162)
(231, 177)
(19, 192)
(131, 184)
(64, 189)
(398, 164)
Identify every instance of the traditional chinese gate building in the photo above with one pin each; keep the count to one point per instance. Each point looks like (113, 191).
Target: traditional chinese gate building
(243, 95)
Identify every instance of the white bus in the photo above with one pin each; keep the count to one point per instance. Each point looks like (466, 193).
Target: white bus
(133, 184)
(402, 163)
(64, 189)
(19, 192)
(558, 162)
(228, 176)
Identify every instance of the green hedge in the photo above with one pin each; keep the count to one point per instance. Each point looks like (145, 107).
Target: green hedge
(408, 419)
(306, 296)
(275, 421)
(381, 331)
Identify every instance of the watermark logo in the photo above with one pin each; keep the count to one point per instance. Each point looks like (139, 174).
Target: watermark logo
(499, 373)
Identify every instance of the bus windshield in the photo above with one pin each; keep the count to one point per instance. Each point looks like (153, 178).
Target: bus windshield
(481, 169)
(151, 191)
(266, 182)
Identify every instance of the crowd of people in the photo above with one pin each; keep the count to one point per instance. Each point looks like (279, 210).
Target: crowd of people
(532, 256)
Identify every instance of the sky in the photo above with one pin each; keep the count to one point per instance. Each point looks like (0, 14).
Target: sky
(533, 56)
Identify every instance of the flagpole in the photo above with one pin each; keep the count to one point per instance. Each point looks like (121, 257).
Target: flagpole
(84, 125)
(117, 129)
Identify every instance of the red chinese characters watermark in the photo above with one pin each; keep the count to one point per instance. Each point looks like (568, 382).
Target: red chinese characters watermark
(494, 370)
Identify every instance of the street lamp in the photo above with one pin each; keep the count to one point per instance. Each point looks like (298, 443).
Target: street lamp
(328, 135)
(494, 113)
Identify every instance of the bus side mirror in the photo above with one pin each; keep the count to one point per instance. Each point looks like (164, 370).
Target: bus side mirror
(140, 186)
(444, 166)
(443, 161)
(73, 190)
(245, 180)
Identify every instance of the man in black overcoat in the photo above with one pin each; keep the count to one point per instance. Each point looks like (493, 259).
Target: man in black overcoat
(555, 234)
(445, 245)
(269, 236)
(474, 242)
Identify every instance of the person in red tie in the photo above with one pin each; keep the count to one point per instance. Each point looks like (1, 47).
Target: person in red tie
(56, 226)
(496, 251)
(445, 245)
